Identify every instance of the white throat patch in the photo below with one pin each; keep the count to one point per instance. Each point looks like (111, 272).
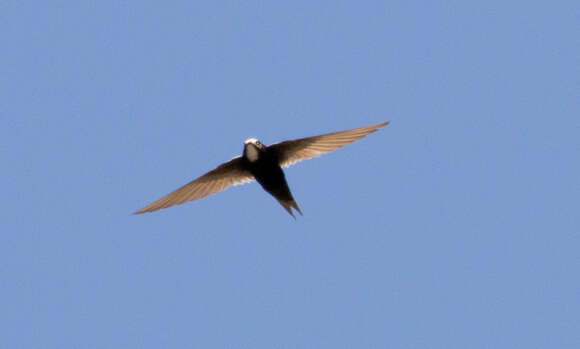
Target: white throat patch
(252, 153)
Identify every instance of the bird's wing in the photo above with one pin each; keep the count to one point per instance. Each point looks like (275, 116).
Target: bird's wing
(225, 175)
(290, 152)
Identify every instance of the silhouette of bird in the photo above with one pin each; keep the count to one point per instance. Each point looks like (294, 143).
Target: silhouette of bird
(263, 164)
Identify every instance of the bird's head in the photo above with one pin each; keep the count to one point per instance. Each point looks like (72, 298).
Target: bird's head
(253, 149)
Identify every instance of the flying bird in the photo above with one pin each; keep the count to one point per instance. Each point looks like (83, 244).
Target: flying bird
(263, 164)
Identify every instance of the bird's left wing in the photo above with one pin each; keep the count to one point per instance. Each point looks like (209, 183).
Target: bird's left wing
(290, 152)
(225, 175)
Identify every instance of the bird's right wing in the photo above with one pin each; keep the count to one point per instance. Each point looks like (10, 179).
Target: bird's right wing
(225, 175)
(290, 152)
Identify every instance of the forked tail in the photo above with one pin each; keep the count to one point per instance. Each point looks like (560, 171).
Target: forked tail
(289, 205)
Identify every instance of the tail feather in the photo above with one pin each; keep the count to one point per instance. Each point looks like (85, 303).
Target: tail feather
(289, 205)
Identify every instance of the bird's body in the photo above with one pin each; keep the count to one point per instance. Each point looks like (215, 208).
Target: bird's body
(263, 164)
(265, 167)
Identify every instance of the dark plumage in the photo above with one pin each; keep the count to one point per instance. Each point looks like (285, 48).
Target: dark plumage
(264, 164)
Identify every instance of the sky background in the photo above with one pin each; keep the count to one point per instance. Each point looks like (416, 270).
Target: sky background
(456, 226)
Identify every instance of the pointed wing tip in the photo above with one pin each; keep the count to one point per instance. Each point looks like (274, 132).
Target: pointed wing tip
(146, 209)
(376, 127)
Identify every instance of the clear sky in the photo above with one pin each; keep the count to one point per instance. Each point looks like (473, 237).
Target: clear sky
(456, 226)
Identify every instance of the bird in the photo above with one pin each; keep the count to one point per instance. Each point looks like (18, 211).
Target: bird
(265, 165)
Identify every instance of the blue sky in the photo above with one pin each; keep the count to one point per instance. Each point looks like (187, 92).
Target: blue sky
(455, 226)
